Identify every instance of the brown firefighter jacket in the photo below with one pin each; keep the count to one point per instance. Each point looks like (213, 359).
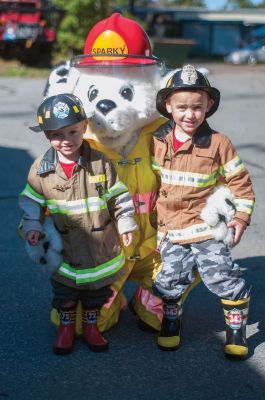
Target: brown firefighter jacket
(83, 209)
(189, 176)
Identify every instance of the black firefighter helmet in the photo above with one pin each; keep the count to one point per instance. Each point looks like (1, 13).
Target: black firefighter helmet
(188, 78)
(58, 111)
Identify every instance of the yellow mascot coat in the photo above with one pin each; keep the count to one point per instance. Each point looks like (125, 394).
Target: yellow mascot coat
(142, 260)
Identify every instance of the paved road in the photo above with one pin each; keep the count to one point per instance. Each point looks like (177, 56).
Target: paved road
(133, 368)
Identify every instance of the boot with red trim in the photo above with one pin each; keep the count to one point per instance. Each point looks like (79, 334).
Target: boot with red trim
(169, 335)
(236, 313)
(92, 336)
(66, 332)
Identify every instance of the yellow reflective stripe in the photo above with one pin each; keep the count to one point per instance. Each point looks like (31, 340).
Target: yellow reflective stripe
(154, 164)
(191, 232)
(235, 302)
(187, 178)
(232, 167)
(32, 194)
(81, 206)
(115, 190)
(244, 205)
(87, 275)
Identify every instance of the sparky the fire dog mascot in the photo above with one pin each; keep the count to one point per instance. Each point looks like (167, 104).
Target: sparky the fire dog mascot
(117, 79)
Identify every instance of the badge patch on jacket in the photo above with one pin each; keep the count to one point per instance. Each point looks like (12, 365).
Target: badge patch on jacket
(97, 178)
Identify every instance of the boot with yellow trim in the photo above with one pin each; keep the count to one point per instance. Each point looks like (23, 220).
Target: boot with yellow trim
(63, 343)
(236, 313)
(92, 336)
(169, 335)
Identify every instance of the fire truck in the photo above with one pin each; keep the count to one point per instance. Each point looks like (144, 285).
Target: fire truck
(28, 30)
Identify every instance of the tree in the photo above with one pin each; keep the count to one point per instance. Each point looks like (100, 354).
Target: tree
(261, 5)
(232, 4)
(187, 3)
(130, 4)
(80, 16)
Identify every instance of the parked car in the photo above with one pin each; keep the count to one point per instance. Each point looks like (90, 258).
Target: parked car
(251, 54)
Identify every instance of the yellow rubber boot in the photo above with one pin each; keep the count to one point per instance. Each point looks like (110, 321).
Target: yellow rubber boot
(236, 313)
(169, 335)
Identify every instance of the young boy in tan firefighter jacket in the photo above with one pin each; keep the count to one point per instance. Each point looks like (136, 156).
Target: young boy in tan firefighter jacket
(191, 158)
(81, 190)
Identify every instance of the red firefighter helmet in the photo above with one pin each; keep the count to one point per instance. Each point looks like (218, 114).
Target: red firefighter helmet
(116, 40)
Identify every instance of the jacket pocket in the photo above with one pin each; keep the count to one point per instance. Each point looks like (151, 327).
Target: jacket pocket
(105, 244)
(100, 220)
(204, 162)
(160, 152)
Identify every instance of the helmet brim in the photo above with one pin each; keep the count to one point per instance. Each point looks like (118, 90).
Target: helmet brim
(35, 128)
(85, 60)
(163, 94)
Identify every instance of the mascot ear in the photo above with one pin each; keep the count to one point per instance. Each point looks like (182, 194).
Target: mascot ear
(63, 79)
(165, 78)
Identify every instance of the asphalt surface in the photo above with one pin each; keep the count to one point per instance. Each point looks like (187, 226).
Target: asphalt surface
(134, 368)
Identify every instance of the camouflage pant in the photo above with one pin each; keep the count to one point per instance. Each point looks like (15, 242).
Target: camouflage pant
(213, 261)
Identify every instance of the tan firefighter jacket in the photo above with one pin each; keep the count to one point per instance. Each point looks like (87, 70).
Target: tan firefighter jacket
(83, 209)
(188, 177)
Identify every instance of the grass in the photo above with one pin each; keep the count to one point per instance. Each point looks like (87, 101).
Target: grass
(13, 68)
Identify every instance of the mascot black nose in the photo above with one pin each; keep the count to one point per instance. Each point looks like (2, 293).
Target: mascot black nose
(105, 106)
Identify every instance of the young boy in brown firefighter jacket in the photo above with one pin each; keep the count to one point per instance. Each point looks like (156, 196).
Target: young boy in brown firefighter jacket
(191, 158)
(81, 190)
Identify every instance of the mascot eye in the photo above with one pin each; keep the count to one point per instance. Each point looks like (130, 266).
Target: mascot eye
(92, 93)
(127, 93)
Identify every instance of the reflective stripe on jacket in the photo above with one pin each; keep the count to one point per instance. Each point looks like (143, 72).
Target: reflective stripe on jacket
(83, 209)
(188, 177)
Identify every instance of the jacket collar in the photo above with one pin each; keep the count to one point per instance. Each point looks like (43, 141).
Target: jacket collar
(50, 159)
(201, 139)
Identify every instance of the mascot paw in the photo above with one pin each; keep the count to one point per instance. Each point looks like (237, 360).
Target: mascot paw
(229, 238)
(48, 250)
(218, 211)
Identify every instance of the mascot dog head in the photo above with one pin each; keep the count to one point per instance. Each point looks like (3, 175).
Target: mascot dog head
(117, 79)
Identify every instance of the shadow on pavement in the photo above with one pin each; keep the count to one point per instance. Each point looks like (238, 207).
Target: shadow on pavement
(253, 271)
(134, 368)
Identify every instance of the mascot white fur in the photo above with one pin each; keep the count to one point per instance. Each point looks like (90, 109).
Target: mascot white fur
(117, 80)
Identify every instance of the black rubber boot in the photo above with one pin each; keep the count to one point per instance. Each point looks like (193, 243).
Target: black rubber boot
(141, 324)
(169, 335)
(236, 313)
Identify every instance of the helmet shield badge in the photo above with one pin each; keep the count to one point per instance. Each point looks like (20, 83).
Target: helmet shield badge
(59, 111)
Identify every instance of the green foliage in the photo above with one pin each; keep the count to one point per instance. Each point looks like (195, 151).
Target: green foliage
(261, 5)
(173, 3)
(233, 4)
(80, 16)
(188, 3)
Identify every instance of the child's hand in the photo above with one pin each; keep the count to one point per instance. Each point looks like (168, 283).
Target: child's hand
(239, 230)
(33, 237)
(127, 238)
